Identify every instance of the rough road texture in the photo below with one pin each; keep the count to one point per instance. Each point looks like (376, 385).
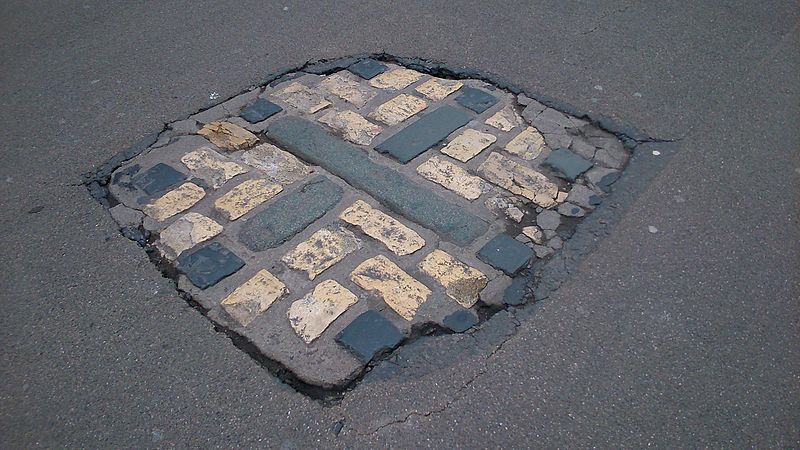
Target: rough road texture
(684, 337)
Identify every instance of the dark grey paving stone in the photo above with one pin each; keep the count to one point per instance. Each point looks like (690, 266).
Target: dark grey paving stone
(566, 164)
(423, 134)
(208, 265)
(394, 190)
(515, 293)
(158, 179)
(260, 110)
(461, 321)
(290, 214)
(369, 335)
(505, 253)
(476, 99)
(367, 68)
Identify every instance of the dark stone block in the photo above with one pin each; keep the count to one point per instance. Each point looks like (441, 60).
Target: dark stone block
(506, 253)
(568, 165)
(367, 68)
(475, 99)
(290, 214)
(208, 265)
(260, 110)
(606, 182)
(423, 134)
(393, 189)
(158, 179)
(369, 335)
(515, 294)
(461, 321)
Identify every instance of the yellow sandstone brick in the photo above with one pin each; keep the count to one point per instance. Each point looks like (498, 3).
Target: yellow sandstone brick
(468, 144)
(452, 177)
(175, 201)
(185, 233)
(395, 79)
(397, 237)
(322, 250)
(253, 297)
(403, 293)
(246, 196)
(519, 179)
(437, 89)
(312, 314)
(462, 283)
(228, 136)
(398, 109)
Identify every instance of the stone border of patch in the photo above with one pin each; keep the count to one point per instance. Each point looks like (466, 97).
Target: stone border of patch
(546, 275)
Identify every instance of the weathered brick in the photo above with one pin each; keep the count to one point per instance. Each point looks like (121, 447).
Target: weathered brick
(302, 97)
(394, 190)
(228, 136)
(505, 120)
(462, 283)
(312, 314)
(185, 233)
(519, 179)
(354, 127)
(175, 201)
(528, 144)
(468, 144)
(290, 214)
(322, 250)
(423, 134)
(399, 290)
(343, 87)
(437, 89)
(246, 196)
(452, 177)
(398, 109)
(566, 164)
(278, 166)
(253, 297)
(397, 237)
(395, 79)
(211, 167)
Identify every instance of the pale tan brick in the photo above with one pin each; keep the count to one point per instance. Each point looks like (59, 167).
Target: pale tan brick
(402, 292)
(254, 297)
(302, 97)
(528, 144)
(437, 89)
(398, 109)
(278, 166)
(185, 233)
(519, 179)
(462, 283)
(347, 89)
(354, 127)
(175, 201)
(246, 196)
(395, 79)
(505, 120)
(397, 237)
(452, 177)
(312, 314)
(212, 167)
(228, 136)
(468, 144)
(322, 250)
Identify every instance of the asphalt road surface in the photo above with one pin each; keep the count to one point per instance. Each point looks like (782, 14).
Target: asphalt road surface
(687, 337)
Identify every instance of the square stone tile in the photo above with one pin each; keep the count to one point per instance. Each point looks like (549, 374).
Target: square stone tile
(158, 179)
(367, 68)
(369, 335)
(476, 99)
(566, 164)
(259, 111)
(506, 253)
(208, 265)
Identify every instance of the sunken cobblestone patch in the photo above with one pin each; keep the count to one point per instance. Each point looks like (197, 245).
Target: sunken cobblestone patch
(333, 214)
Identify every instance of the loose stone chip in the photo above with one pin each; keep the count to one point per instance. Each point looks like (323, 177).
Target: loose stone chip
(254, 297)
(397, 237)
(322, 250)
(505, 120)
(462, 283)
(519, 179)
(399, 290)
(228, 136)
(312, 314)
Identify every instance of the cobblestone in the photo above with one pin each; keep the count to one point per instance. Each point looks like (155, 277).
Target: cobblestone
(353, 126)
(395, 79)
(438, 89)
(278, 166)
(260, 110)
(322, 250)
(311, 315)
(254, 297)
(468, 144)
(452, 177)
(423, 134)
(211, 167)
(399, 290)
(462, 283)
(243, 198)
(528, 144)
(185, 233)
(397, 237)
(519, 179)
(398, 109)
(173, 202)
(228, 136)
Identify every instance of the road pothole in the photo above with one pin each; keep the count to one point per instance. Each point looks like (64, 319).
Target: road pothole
(349, 207)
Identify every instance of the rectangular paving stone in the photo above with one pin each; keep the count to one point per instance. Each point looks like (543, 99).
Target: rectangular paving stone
(254, 297)
(208, 265)
(566, 164)
(452, 177)
(351, 91)
(228, 135)
(402, 292)
(290, 214)
(279, 166)
(423, 134)
(369, 335)
(437, 89)
(519, 179)
(397, 237)
(462, 283)
(476, 99)
(175, 201)
(302, 97)
(185, 233)
(353, 126)
(211, 167)
(394, 190)
(259, 111)
(506, 253)
(312, 314)
(528, 144)
(158, 179)
(468, 144)
(246, 196)
(398, 109)
(395, 79)
(367, 68)
(322, 250)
